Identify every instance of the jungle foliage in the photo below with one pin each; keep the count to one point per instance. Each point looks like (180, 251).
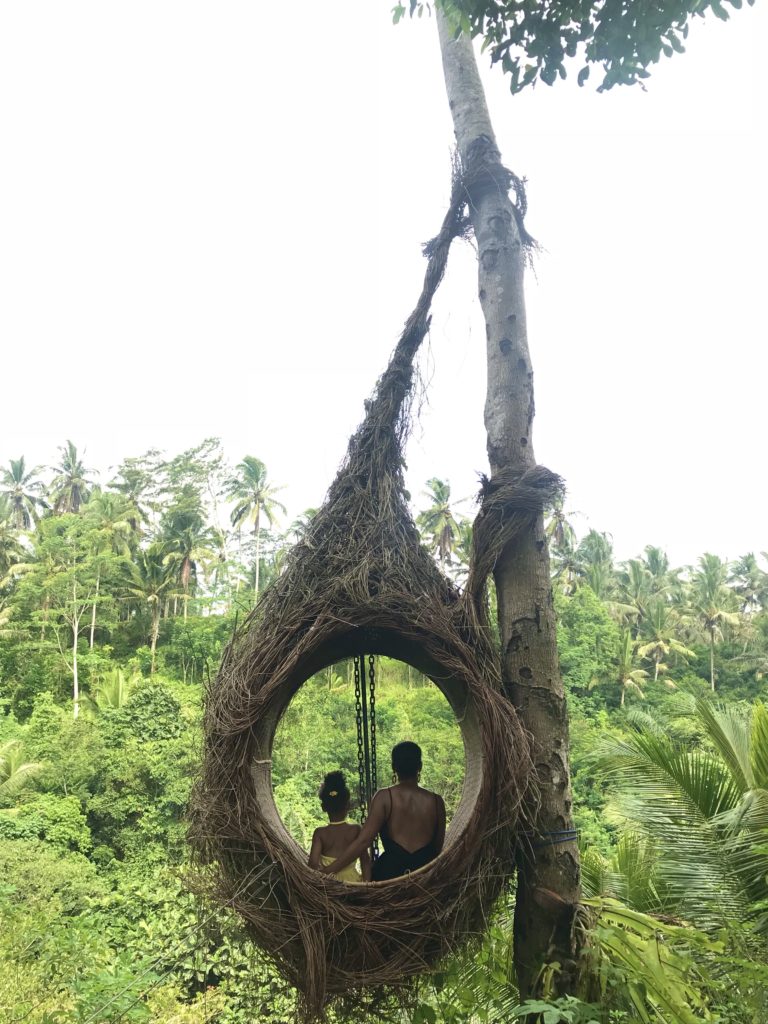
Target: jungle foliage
(115, 604)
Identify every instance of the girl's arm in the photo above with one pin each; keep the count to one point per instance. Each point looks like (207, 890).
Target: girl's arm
(377, 815)
(316, 850)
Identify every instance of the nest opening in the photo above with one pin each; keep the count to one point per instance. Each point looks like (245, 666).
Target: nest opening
(452, 684)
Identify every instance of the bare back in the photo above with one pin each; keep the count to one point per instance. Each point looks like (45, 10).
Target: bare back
(333, 839)
(415, 817)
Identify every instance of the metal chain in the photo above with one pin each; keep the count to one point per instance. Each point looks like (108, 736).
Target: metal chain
(363, 808)
(372, 717)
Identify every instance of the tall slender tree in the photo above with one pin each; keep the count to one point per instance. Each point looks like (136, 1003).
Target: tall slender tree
(548, 879)
(629, 675)
(750, 583)
(11, 550)
(659, 636)
(60, 583)
(713, 603)
(137, 480)
(186, 540)
(254, 496)
(112, 535)
(22, 492)
(150, 582)
(438, 521)
(71, 485)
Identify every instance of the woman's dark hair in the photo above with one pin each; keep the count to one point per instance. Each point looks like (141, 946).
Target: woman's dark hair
(406, 759)
(334, 794)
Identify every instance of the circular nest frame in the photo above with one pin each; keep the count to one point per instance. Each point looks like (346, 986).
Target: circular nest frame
(361, 580)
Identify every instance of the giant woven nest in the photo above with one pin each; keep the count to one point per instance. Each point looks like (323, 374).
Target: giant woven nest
(361, 580)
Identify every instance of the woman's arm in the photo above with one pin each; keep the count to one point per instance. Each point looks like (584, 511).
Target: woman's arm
(366, 864)
(316, 850)
(377, 815)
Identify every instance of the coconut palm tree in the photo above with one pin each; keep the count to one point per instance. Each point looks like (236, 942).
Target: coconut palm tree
(664, 579)
(112, 536)
(254, 496)
(629, 874)
(15, 771)
(750, 583)
(71, 486)
(22, 494)
(463, 549)
(705, 809)
(186, 541)
(625, 672)
(11, 551)
(558, 527)
(561, 538)
(438, 521)
(594, 560)
(659, 636)
(115, 690)
(150, 582)
(299, 527)
(635, 590)
(712, 603)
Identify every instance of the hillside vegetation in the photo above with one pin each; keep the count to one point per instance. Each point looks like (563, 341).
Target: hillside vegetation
(115, 603)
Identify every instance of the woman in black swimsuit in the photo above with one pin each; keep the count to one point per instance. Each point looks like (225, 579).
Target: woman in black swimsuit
(409, 819)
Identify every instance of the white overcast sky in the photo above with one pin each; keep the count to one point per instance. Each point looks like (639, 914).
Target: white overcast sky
(210, 217)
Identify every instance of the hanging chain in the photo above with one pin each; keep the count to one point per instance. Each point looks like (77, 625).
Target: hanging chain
(372, 717)
(363, 808)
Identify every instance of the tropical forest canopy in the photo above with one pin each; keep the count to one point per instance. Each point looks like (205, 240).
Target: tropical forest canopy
(116, 599)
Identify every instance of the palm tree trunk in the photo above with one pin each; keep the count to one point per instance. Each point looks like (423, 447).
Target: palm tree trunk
(656, 668)
(623, 694)
(712, 659)
(257, 533)
(93, 612)
(548, 878)
(75, 634)
(155, 634)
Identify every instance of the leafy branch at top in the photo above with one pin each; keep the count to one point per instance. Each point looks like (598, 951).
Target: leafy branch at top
(535, 41)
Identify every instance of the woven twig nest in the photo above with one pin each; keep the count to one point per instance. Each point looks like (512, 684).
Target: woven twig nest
(360, 580)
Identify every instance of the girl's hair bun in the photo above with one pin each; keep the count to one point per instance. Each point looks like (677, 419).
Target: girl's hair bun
(334, 793)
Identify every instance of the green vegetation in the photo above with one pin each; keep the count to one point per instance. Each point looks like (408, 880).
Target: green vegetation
(115, 604)
(537, 42)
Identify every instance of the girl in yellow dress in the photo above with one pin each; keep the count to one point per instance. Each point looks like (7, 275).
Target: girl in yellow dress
(330, 841)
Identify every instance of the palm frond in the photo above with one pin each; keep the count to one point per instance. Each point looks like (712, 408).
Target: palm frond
(729, 730)
(758, 749)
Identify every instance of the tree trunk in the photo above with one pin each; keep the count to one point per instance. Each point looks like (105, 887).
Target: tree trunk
(155, 634)
(75, 634)
(712, 659)
(257, 535)
(548, 874)
(93, 614)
